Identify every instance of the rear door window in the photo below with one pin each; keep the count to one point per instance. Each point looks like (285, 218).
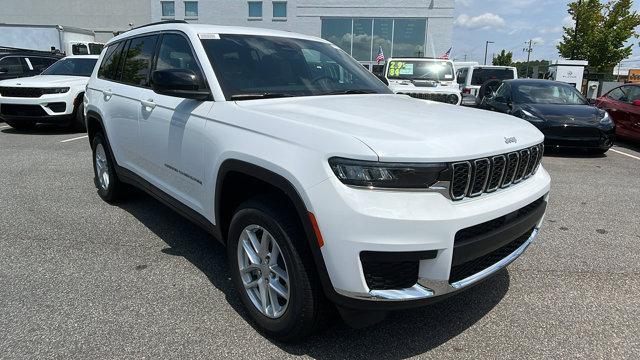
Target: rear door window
(138, 60)
(618, 95)
(482, 75)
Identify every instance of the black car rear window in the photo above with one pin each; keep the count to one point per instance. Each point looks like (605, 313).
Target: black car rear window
(481, 76)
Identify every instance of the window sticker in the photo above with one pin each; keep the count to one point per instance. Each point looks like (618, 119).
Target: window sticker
(397, 68)
(209, 36)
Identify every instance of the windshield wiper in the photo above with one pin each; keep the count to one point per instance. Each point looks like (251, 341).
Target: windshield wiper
(265, 95)
(349, 92)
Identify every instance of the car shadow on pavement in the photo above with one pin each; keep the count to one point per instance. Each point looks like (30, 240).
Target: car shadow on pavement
(403, 334)
(42, 129)
(571, 153)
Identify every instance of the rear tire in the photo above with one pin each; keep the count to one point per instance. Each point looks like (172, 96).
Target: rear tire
(304, 309)
(106, 180)
(21, 125)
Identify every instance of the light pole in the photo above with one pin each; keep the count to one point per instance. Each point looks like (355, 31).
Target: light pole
(486, 48)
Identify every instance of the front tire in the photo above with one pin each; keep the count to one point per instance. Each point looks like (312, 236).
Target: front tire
(110, 188)
(78, 123)
(272, 270)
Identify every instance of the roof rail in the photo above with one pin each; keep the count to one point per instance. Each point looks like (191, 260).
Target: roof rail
(161, 22)
(8, 49)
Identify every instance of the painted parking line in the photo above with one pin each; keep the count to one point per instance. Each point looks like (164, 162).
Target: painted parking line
(625, 154)
(76, 138)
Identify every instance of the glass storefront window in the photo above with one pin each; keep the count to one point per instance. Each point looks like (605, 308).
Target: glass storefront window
(338, 31)
(408, 37)
(362, 39)
(382, 32)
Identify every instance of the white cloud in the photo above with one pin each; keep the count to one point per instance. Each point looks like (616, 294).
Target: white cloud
(484, 21)
(538, 40)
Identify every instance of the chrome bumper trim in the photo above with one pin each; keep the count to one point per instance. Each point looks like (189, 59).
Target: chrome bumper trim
(426, 288)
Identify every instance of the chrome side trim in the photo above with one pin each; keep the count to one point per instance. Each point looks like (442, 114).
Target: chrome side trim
(426, 288)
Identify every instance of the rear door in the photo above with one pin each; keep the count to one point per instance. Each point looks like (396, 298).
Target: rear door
(118, 103)
(171, 128)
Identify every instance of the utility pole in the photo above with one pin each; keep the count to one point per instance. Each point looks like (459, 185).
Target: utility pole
(465, 57)
(575, 33)
(486, 48)
(528, 51)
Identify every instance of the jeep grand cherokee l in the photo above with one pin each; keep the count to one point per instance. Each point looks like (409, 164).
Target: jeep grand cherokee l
(325, 187)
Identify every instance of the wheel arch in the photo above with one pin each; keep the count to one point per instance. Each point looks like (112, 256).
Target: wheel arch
(233, 174)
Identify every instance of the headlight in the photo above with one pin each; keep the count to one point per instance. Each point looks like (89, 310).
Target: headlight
(375, 174)
(59, 90)
(606, 119)
(530, 116)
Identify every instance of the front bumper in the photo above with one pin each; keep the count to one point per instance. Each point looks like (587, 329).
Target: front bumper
(584, 137)
(46, 108)
(353, 221)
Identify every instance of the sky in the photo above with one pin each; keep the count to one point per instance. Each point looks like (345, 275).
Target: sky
(511, 23)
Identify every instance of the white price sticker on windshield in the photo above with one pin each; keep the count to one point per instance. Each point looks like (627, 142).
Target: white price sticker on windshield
(209, 36)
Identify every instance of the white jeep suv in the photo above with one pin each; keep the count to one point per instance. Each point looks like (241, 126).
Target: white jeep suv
(54, 96)
(423, 78)
(324, 186)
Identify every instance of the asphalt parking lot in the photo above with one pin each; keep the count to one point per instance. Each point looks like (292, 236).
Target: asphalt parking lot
(83, 279)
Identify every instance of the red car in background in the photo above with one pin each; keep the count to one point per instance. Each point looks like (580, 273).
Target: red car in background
(623, 105)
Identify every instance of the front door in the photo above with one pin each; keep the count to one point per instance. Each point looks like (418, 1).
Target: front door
(171, 129)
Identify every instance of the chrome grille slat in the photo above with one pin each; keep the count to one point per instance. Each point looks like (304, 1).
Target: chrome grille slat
(460, 179)
(486, 175)
(478, 184)
(522, 165)
(498, 166)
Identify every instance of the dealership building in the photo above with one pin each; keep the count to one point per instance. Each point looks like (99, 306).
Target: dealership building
(416, 28)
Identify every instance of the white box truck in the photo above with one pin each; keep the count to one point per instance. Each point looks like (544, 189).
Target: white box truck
(65, 39)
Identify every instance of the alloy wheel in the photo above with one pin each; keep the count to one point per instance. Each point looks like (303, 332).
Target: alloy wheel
(263, 271)
(102, 167)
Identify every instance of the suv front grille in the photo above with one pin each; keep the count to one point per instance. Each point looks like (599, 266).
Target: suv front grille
(475, 177)
(444, 98)
(474, 266)
(25, 92)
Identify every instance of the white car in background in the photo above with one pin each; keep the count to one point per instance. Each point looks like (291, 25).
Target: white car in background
(54, 96)
(423, 78)
(471, 78)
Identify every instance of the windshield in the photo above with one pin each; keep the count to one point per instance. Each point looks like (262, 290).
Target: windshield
(252, 66)
(547, 93)
(420, 70)
(482, 75)
(73, 67)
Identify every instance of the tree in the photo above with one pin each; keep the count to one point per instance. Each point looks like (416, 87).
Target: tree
(601, 33)
(503, 59)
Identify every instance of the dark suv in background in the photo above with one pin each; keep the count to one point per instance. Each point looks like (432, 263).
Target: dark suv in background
(17, 63)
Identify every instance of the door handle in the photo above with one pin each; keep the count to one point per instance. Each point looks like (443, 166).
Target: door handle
(148, 103)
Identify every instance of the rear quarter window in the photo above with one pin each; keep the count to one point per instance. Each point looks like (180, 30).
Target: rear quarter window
(109, 67)
(481, 76)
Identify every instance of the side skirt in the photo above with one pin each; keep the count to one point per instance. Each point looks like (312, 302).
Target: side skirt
(131, 178)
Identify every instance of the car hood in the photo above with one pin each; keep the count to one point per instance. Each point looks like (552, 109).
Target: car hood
(566, 114)
(400, 128)
(46, 81)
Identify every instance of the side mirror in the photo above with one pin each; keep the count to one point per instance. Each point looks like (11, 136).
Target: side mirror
(636, 102)
(3, 71)
(491, 95)
(592, 101)
(182, 83)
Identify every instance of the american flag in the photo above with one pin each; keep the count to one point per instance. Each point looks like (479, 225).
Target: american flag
(446, 55)
(380, 56)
